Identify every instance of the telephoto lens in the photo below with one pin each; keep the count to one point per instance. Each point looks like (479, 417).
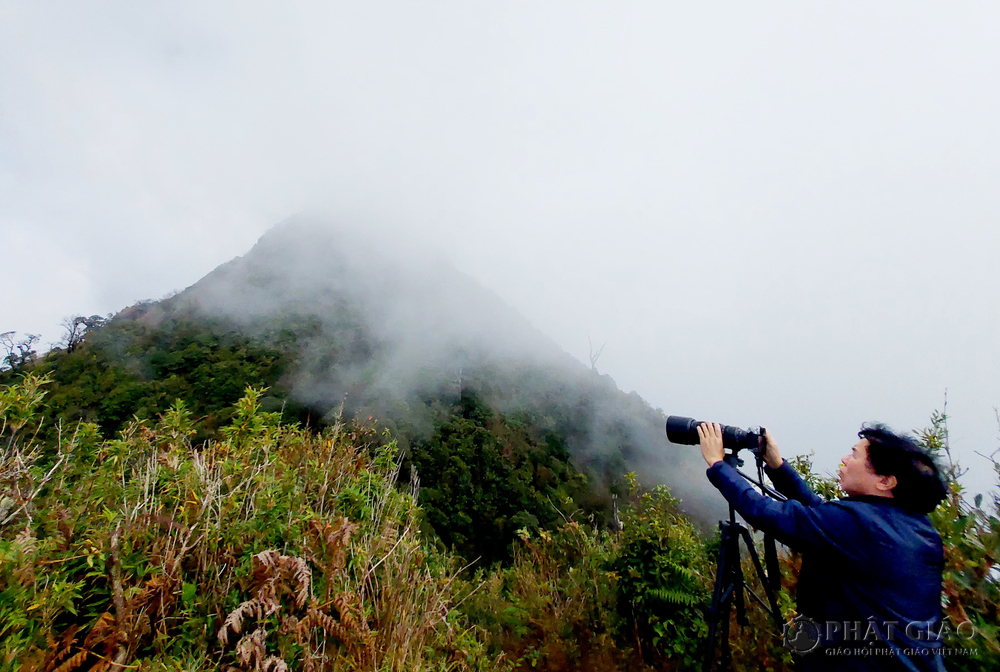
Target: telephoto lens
(685, 431)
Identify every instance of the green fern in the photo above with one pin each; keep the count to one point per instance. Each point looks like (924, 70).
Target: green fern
(686, 572)
(678, 597)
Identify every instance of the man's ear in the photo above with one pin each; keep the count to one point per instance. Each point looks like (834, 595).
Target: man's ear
(886, 484)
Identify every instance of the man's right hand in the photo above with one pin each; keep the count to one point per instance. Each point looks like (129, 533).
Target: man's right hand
(771, 456)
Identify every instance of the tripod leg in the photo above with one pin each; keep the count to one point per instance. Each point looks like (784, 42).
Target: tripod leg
(726, 659)
(734, 569)
(728, 590)
(715, 610)
(739, 583)
(765, 580)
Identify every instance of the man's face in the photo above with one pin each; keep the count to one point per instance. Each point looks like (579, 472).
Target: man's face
(857, 476)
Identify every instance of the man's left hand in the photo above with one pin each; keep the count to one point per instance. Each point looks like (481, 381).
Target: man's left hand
(710, 434)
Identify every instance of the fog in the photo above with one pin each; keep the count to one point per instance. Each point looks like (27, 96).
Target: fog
(381, 326)
(776, 215)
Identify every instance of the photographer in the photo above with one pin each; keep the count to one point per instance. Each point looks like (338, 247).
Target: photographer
(871, 562)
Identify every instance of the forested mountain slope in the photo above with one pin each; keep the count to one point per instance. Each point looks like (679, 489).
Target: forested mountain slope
(389, 330)
(343, 325)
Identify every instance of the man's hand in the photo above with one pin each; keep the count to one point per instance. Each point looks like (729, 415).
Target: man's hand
(710, 434)
(771, 455)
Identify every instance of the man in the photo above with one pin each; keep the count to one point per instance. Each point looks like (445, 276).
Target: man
(871, 562)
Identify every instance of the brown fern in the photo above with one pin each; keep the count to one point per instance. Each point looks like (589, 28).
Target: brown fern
(355, 637)
(252, 647)
(234, 621)
(331, 626)
(274, 575)
(336, 537)
(303, 578)
(104, 626)
(73, 662)
(56, 651)
(275, 567)
(273, 664)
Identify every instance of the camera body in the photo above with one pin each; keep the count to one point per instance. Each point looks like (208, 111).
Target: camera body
(685, 431)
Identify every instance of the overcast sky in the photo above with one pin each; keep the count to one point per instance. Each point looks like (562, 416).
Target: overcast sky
(784, 214)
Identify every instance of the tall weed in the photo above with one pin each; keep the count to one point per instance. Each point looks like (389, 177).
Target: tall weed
(271, 549)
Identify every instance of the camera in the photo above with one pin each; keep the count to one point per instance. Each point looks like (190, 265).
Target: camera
(685, 431)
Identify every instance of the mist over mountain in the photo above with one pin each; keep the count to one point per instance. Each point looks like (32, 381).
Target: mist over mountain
(382, 310)
(384, 327)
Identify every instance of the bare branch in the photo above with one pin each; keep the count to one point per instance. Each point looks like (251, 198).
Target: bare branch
(594, 356)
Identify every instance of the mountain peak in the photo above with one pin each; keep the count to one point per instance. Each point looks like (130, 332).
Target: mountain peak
(383, 322)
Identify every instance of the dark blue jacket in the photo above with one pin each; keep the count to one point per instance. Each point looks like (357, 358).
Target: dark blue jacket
(865, 560)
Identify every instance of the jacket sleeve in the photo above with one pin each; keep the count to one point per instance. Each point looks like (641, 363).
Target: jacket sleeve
(790, 484)
(828, 526)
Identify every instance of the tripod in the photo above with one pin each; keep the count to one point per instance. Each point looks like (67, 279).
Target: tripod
(729, 581)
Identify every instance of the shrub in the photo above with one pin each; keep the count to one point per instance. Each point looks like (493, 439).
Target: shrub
(665, 573)
(970, 532)
(271, 549)
(554, 607)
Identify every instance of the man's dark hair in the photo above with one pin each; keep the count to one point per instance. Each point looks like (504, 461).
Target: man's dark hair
(919, 486)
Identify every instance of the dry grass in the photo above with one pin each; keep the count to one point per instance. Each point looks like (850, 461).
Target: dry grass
(273, 549)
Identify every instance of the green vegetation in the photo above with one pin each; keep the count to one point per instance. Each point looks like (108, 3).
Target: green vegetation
(270, 544)
(485, 475)
(161, 510)
(665, 577)
(134, 368)
(485, 478)
(971, 536)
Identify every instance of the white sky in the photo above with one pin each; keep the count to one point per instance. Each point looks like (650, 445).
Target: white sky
(774, 213)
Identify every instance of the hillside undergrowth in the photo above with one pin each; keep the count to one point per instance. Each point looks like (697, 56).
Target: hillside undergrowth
(274, 547)
(270, 549)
